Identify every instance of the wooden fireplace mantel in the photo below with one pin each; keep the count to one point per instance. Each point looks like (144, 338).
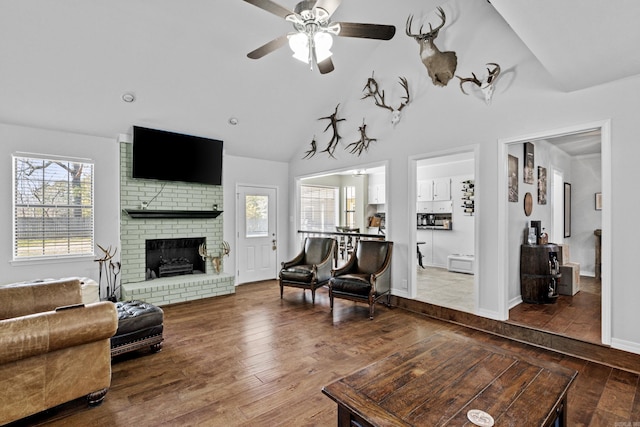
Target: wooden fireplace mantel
(151, 214)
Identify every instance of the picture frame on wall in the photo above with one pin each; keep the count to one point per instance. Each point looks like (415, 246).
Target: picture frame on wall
(542, 185)
(598, 201)
(513, 178)
(567, 209)
(529, 163)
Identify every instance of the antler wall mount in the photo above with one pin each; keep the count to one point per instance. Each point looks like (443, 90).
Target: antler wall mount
(333, 124)
(486, 84)
(441, 66)
(373, 90)
(363, 143)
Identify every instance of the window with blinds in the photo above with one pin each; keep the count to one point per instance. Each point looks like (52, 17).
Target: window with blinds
(318, 208)
(53, 207)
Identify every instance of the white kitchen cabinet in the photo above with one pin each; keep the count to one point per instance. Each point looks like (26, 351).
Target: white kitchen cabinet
(377, 189)
(441, 189)
(434, 190)
(425, 191)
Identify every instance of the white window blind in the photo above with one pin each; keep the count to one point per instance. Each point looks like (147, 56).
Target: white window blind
(53, 207)
(318, 208)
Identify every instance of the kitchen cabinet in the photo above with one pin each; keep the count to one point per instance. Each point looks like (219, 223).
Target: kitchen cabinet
(425, 191)
(441, 189)
(376, 189)
(434, 190)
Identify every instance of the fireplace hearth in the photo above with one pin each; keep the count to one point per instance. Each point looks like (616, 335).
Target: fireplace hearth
(173, 257)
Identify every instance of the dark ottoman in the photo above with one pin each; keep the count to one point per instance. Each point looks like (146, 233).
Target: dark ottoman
(139, 326)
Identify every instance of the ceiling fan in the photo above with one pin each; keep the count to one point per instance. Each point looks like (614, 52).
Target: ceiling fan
(311, 39)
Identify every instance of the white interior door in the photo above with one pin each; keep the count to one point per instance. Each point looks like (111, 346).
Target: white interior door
(256, 234)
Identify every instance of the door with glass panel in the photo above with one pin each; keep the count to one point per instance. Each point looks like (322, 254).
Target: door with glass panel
(256, 234)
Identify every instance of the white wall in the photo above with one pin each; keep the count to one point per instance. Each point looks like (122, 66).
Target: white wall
(586, 178)
(442, 118)
(105, 155)
(260, 173)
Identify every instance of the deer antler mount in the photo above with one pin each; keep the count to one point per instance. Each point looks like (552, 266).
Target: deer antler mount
(333, 124)
(441, 66)
(485, 85)
(363, 144)
(312, 151)
(372, 89)
(216, 261)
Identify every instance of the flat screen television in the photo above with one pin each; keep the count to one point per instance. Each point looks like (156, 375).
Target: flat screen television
(169, 156)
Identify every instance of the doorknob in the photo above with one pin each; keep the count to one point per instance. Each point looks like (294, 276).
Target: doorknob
(274, 246)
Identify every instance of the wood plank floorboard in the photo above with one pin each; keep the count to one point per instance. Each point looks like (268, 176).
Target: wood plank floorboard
(253, 359)
(576, 316)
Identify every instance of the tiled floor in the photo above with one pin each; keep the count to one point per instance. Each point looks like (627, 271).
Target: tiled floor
(441, 287)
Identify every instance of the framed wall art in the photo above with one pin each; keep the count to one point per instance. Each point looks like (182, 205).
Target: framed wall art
(542, 185)
(513, 178)
(529, 163)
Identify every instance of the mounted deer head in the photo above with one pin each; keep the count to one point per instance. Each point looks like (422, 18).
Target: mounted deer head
(485, 85)
(373, 90)
(441, 66)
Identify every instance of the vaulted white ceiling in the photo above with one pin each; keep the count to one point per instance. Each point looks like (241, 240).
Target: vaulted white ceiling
(65, 64)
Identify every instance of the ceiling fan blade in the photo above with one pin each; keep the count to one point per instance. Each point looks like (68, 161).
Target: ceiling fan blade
(271, 7)
(268, 47)
(325, 66)
(367, 31)
(329, 5)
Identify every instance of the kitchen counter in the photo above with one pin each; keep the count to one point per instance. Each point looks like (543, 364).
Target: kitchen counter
(433, 227)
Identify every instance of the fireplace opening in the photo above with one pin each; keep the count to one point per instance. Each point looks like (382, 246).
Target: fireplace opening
(173, 257)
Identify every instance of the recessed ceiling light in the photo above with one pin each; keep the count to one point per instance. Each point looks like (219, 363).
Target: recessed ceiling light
(128, 97)
(233, 121)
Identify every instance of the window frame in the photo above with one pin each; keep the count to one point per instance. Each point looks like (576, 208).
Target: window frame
(63, 210)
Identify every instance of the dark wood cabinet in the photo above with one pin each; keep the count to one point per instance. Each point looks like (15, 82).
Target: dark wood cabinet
(539, 273)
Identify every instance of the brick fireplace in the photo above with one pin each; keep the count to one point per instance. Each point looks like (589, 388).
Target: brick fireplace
(165, 198)
(173, 257)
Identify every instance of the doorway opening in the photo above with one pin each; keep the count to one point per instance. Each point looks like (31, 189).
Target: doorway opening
(578, 158)
(443, 226)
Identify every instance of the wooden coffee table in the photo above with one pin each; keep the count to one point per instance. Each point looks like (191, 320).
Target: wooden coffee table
(436, 382)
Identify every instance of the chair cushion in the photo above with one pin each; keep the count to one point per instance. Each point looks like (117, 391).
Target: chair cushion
(357, 284)
(297, 273)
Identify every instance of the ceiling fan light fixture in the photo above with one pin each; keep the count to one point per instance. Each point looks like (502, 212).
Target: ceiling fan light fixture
(323, 42)
(299, 44)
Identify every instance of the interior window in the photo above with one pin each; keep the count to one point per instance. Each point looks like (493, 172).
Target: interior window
(318, 210)
(350, 206)
(53, 207)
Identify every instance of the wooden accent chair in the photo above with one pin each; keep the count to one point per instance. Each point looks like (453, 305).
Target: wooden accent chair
(311, 268)
(366, 277)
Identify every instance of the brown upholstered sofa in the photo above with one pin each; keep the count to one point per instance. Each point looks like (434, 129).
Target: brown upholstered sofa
(53, 349)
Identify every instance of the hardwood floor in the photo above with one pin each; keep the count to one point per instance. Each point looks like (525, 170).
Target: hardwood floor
(253, 359)
(577, 316)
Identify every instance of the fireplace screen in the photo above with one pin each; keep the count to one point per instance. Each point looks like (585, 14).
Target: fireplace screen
(173, 257)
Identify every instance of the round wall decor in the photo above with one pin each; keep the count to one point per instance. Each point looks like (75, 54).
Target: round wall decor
(528, 204)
